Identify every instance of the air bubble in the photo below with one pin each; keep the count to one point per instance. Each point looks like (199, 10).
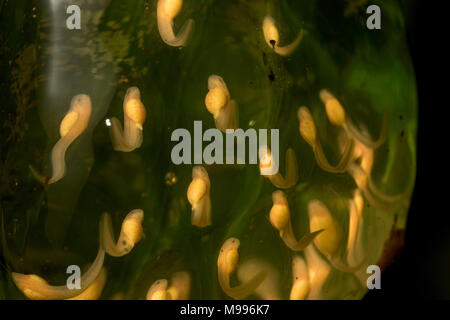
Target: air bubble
(170, 178)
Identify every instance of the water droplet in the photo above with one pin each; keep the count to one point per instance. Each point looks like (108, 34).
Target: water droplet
(170, 178)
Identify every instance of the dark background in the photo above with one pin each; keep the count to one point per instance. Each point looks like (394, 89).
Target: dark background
(423, 269)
